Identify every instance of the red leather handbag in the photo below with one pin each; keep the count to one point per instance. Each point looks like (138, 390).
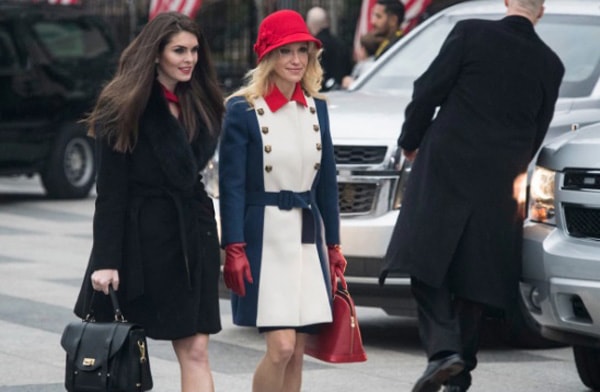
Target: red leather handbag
(339, 341)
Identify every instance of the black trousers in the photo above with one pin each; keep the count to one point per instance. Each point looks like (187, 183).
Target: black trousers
(448, 324)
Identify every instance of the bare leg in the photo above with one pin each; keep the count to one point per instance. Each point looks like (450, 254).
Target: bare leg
(192, 354)
(293, 371)
(270, 373)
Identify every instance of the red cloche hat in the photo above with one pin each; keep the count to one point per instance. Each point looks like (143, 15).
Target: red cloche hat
(281, 28)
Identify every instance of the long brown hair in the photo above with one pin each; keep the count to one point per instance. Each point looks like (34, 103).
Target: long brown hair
(123, 100)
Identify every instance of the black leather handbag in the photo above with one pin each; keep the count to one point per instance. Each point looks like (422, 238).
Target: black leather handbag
(106, 356)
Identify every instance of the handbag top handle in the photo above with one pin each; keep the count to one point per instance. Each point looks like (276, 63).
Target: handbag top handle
(115, 304)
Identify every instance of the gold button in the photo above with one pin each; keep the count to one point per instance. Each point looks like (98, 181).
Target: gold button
(316, 128)
(319, 147)
(313, 110)
(260, 111)
(267, 149)
(268, 168)
(265, 130)
(317, 166)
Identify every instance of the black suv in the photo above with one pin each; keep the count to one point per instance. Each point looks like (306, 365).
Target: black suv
(53, 62)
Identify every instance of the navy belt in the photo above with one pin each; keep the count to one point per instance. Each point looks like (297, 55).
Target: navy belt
(285, 200)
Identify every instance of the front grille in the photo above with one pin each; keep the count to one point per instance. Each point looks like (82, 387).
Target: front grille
(359, 155)
(582, 222)
(576, 179)
(356, 198)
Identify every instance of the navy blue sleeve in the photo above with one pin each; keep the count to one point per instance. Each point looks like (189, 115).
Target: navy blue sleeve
(233, 152)
(327, 189)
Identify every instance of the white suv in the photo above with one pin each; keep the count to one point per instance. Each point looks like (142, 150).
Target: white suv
(561, 250)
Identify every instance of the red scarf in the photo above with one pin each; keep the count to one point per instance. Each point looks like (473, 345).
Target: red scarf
(171, 97)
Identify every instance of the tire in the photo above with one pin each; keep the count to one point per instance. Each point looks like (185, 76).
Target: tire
(521, 331)
(587, 360)
(70, 170)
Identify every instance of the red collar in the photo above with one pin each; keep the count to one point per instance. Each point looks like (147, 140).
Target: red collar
(276, 100)
(171, 97)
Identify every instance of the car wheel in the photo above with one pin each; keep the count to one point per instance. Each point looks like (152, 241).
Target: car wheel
(520, 330)
(70, 171)
(587, 360)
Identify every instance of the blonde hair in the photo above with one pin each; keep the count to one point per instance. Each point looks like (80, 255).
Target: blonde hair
(259, 79)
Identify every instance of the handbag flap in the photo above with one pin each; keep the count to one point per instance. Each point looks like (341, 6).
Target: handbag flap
(86, 342)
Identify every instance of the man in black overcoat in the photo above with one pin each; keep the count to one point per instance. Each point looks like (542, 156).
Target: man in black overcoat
(458, 233)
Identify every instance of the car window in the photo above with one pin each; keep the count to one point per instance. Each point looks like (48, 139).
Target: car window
(407, 64)
(572, 38)
(581, 60)
(71, 40)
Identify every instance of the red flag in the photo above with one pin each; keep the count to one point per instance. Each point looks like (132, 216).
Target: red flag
(414, 9)
(64, 2)
(186, 7)
(363, 25)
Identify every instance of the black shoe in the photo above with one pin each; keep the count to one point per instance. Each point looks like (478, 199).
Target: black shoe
(454, 388)
(438, 372)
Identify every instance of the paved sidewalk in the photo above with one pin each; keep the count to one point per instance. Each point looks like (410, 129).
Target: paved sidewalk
(44, 246)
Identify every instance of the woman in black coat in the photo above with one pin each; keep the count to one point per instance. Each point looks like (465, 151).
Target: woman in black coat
(156, 126)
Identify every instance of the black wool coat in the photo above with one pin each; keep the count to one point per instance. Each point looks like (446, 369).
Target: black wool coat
(336, 59)
(154, 222)
(496, 84)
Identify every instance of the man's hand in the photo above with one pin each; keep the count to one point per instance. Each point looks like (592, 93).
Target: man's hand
(237, 268)
(410, 155)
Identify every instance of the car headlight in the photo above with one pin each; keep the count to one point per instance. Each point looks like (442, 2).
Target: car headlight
(210, 177)
(541, 196)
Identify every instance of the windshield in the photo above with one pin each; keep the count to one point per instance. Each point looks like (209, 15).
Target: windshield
(581, 60)
(71, 40)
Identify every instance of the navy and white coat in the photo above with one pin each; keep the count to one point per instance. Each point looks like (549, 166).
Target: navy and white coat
(278, 194)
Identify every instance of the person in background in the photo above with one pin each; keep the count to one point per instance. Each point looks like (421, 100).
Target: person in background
(279, 200)
(336, 58)
(369, 42)
(155, 241)
(493, 86)
(386, 22)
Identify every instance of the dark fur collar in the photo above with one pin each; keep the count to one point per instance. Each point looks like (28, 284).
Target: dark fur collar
(180, 160)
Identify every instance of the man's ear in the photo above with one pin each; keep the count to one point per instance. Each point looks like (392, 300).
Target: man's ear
(541, 13)
(394, 20)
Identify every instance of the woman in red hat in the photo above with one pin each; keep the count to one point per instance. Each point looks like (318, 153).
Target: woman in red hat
(279, 201)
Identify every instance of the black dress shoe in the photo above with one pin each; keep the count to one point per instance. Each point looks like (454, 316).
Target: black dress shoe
(454, 388)
(438, 372)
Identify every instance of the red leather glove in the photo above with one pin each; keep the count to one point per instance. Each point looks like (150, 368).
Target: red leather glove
(337, 265)
(237, 268)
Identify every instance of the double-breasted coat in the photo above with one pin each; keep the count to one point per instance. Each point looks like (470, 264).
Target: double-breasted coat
(495, 83)
(155, 224)
(278, 195)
